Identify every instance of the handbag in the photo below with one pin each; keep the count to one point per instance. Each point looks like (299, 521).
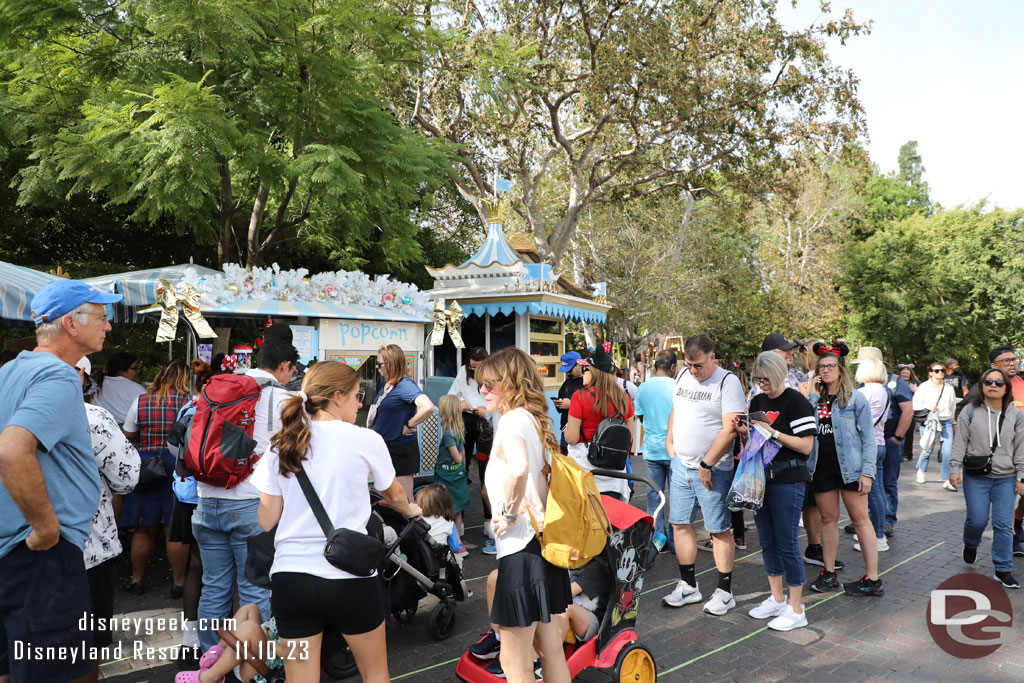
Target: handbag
(346, 549)
(980, 465)
(152, 472)
(259, 558)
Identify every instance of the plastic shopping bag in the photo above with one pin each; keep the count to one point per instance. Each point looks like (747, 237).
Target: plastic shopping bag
(747, 492)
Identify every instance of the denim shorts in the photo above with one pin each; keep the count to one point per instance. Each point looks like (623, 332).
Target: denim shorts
(686, 490)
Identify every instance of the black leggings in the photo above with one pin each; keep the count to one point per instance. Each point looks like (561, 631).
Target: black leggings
(481, 469)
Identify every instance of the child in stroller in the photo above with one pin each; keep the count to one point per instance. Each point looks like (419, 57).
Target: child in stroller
(416, 566)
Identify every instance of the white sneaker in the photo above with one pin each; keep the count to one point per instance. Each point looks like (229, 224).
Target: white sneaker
(768, 609)
(883, 545)
(789, 620)
(949, 487)
(720, 603)
(488, 532)
(707, 544)
(684, 594)
(920, 476)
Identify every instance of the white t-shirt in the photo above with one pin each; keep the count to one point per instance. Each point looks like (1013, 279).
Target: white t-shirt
(467, 389)
(342, 457)
(117, 395)
(878, 399)
(261, 431)
(519, 423)
(697, 414)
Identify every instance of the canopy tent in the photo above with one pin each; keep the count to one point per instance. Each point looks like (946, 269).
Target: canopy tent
(308, 309)
(139, 286)
(17, 287)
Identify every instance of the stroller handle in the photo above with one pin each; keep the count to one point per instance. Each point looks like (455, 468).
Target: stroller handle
(618, 474)
(409, 526)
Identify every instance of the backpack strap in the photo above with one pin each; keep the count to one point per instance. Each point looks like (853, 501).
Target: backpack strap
(314, 502)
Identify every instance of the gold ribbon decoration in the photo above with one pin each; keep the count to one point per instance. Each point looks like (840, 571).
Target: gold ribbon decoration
(189, 297)
(452, 319)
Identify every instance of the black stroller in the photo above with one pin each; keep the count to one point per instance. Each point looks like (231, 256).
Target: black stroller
(416, 566)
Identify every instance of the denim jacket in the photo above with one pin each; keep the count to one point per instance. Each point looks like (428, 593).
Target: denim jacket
(854, 432)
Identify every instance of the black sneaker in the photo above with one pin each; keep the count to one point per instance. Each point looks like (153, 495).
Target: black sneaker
(487, 647)
(970, 555)
(814, 555)
(740, 541)
(1018, 549)
(494, 668)
(850, 529)
(889, 531)
(826, 582)
(840, 565)
(1007, 579)
(864, 587)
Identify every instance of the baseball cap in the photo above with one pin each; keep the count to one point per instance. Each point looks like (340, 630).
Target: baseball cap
(776, 341)
(62, 296)
(569, 360)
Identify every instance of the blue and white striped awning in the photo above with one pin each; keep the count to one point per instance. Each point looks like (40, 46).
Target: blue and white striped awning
(495, 249)
(139, 286)
(17, 287)
(309, 309)
(546, 308)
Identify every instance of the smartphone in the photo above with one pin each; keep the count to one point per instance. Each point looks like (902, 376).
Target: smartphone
(757, 415)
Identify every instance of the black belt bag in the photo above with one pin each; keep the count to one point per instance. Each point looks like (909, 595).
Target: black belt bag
(980, 465)
(776, 466)
(346, 549)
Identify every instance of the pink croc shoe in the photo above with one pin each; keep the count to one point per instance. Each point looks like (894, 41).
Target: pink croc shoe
(191, 677)
(209, 658)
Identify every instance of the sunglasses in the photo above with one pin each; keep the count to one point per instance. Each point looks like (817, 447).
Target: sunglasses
(994, 383)
(487, 384)
(935, 371)
(381, 364)
(586, 368)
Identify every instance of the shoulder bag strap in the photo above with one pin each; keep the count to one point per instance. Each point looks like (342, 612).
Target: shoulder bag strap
(314, 502)
(885, 410)
(995, 437)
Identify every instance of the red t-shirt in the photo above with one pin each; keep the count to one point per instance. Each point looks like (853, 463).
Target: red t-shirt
(1017, 386)
(583, 409)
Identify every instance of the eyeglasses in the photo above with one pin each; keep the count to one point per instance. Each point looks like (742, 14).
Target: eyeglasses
(102, 316)
(762, 381)
(1012, 360)
(828, 366)
(994, 383)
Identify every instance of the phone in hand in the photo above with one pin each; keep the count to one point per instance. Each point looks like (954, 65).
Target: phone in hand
(756, 415)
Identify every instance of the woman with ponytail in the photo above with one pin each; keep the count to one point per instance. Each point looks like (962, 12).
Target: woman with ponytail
(531, 595)
(309, 595)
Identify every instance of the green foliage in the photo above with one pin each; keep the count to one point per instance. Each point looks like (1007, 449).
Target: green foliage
(256, 127)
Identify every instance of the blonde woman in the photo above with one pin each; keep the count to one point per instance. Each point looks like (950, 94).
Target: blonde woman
(450, 469)
(310, 595)
(845, 458)
(871, 375)
(531, 594)
(399, 407)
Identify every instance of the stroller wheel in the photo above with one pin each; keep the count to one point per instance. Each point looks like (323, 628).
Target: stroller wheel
(404, 616)
(635, 665)
(442, 621)
(336, 659)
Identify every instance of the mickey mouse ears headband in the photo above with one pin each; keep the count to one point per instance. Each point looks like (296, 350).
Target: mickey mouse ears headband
(840, 350)
(909, 366)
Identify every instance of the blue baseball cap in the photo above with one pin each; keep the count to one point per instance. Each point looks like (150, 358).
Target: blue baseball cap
(569, 360)
(62, 296)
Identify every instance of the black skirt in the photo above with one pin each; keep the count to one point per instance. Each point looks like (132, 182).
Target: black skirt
(529, 589)
(181, 523)
(405, 458)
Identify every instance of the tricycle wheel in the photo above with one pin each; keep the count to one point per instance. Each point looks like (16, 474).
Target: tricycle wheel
(442, 621)
(635, 665)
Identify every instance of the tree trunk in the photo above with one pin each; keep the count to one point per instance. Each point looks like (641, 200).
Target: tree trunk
(254, 257)
(227, 216)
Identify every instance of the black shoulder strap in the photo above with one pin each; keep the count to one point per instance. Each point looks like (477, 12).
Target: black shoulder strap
(995, 437)
(314, 502)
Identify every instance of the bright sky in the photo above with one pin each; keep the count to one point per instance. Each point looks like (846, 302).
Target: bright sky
(949, 74)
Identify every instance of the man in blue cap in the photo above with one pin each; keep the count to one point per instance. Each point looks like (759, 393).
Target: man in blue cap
(50, 488)
(573, 383)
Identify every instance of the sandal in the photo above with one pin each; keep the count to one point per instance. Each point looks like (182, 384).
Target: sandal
(191, 677)
(209, 658)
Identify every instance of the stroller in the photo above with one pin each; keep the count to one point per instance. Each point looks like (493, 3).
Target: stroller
(630, 553)
(416, 566)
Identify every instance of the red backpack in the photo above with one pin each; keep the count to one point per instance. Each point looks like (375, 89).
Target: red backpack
(220, 443)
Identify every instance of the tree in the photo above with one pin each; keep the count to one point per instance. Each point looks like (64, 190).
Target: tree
(257, 127)
(585, 104)
(895, 196)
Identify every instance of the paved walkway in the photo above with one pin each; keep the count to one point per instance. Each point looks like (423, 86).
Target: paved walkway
(848, 639)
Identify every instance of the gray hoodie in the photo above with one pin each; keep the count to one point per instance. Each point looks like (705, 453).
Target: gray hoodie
(977, 427)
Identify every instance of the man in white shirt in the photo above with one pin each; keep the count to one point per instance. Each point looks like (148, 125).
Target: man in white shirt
(700, 439)
(224, 517)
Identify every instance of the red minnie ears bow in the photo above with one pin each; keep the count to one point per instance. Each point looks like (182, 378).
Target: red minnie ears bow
(228, 363)
(839, 350)
(607, 347)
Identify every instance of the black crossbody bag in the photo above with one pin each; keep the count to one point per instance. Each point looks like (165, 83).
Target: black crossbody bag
(346, 549)
(980, 465)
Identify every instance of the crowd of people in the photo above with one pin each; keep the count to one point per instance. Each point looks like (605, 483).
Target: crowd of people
(85, 459)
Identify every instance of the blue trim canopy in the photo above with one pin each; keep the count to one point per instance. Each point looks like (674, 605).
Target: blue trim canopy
(309, 309)
(545, 308)
(18, 285)
(495, 249)
(139, 286)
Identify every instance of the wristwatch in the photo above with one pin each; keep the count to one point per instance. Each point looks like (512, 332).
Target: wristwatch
(706, 466)
(776, 435)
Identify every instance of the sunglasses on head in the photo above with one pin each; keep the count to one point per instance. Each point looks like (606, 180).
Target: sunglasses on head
(994, 383)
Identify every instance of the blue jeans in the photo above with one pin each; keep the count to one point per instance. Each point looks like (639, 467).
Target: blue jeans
(876, 497)
(893, 460)
(778, 529)
(981, 493)
(687, 491)
(660, 473)
(946, 451)
(221, 527)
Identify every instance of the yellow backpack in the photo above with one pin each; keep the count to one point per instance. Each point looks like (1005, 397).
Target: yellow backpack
(576, 525)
